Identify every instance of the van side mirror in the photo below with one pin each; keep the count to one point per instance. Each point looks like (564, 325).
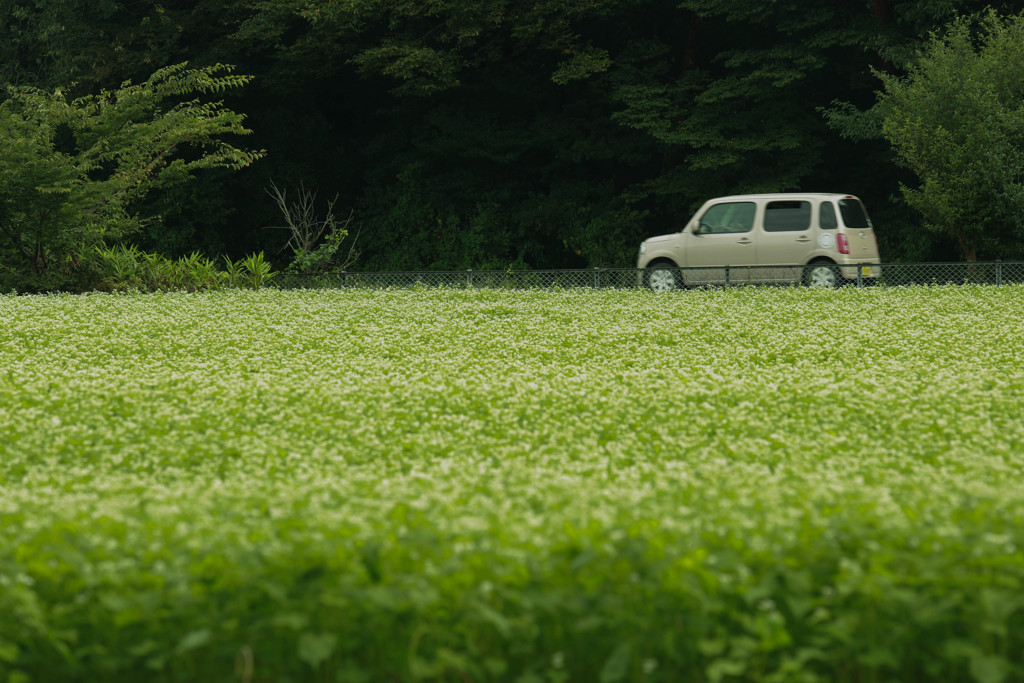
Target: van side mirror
(701, 229)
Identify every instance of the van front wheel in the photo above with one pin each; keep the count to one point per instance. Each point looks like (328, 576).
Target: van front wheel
(821, 275)
(662, 278)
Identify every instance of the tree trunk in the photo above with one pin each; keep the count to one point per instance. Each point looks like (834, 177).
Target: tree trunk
(37, 257)
(970, 251)
(691, 52)
(692, 44)
(41, 260)
(882, 11)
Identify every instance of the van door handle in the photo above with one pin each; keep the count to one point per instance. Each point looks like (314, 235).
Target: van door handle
(803, 239)
(743, 241)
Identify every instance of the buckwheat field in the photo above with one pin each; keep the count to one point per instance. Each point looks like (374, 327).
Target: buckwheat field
(777, 485)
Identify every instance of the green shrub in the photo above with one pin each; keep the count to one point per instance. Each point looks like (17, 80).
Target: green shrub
(125, 268)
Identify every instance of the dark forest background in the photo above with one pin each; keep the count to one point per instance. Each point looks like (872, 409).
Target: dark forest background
(508, 133)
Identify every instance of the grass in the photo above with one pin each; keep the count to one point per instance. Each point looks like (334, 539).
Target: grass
(769, 485)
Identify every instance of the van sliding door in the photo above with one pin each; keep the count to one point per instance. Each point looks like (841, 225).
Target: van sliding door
(785, 240)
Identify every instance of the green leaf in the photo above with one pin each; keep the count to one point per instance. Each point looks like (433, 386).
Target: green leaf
(494, 617)
(316, 648)
(989, 669)
(290, 620)
(193, 640)
(617, 665)
(712, 647)
(8, 651)
(720, 668)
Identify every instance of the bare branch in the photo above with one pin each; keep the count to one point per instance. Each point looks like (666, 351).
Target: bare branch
(313, 240)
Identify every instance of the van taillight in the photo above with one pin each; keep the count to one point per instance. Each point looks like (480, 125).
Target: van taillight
(843, 243)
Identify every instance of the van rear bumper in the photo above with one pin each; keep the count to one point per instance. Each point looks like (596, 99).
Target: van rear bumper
(864, 271)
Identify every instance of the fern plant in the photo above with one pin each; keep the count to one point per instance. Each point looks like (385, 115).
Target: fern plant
(257, 271)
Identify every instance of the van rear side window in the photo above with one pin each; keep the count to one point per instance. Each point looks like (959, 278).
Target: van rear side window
(787, 216)
(827, 217)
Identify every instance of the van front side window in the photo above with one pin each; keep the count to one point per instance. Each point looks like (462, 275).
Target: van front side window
(730, 217)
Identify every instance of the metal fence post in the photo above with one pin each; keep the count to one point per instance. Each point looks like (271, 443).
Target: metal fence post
(727, 276)
(597, 278)
(860, 276)
(469, 277)
(999, 271)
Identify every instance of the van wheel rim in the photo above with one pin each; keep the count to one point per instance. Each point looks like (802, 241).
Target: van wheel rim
(822, 276)
(661, 280)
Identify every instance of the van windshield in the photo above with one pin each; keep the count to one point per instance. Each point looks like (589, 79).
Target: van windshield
(855, 216)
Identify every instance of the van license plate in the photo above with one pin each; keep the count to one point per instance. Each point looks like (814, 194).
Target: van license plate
(865, 270)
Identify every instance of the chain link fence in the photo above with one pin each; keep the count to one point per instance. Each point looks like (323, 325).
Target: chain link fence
(822, 275)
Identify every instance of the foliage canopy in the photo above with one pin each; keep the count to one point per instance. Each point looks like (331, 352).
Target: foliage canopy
(497, 133)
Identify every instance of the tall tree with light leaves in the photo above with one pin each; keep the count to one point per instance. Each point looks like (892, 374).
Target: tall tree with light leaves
(957, 121)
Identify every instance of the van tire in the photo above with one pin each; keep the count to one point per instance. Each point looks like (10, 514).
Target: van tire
(663, 277)
(822, 274)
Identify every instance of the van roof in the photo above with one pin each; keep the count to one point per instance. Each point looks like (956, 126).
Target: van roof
(789, 195)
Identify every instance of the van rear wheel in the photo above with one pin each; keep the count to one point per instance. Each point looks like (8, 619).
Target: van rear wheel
(662, 278)
(822, 275)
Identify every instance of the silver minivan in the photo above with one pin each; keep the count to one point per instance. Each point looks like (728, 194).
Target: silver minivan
(819, 239)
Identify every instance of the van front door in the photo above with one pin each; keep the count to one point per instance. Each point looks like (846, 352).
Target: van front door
(724, 237)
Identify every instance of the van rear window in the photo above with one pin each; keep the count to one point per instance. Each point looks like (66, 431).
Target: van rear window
(855, 216)
(787, 216)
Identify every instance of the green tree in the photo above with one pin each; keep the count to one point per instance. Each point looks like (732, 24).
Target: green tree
(957, 121)
(73, 171)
